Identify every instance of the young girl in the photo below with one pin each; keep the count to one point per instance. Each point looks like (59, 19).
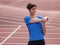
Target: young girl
(36, 26)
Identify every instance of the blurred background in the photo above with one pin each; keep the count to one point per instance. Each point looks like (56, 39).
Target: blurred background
(42, 4)
(12, 13)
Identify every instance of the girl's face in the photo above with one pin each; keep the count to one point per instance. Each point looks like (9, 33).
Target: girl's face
(33, 10)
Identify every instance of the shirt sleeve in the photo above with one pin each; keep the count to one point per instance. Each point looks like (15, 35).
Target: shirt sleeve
(27, 19)
(40, 17)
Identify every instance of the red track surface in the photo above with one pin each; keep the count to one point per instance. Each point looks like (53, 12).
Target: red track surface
(11, 17)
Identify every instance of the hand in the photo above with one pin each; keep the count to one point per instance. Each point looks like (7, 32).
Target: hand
(45, 19)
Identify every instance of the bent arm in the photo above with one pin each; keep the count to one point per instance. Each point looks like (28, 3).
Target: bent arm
(38, 20)
(35, 20)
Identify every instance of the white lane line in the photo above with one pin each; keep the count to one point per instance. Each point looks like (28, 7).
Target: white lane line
(10, 35)
(52, 12)
(18, 1)
(15, 43)
(26, 43)
(16, 37)
(27, 33)
(53, 33)
(52, 44)
(52, 38)
(28, 38)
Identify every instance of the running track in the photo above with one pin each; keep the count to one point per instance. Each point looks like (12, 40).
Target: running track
(13, 30)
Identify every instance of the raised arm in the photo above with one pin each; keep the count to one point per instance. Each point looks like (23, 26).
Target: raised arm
(35, 20)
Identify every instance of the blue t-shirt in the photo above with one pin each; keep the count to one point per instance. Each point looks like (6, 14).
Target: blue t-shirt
(35, 29)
